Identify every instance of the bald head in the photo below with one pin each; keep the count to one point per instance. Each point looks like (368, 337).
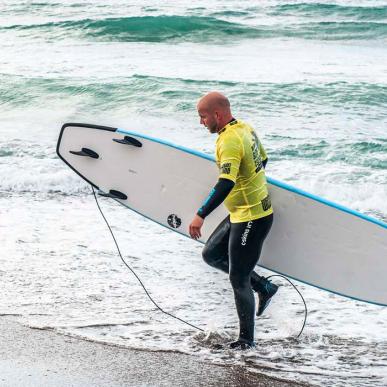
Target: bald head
(214, 111)
(214, 101)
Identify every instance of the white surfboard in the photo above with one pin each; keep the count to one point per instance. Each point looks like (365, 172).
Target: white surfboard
(312, 240)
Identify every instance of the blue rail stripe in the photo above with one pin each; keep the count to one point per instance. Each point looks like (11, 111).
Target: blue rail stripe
(269, 179)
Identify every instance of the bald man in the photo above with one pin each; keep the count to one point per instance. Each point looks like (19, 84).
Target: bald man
(235, 245)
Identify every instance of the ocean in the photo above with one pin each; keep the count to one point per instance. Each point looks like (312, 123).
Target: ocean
(310, 76)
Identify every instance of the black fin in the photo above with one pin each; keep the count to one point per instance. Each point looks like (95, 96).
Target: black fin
(86, 152)
(127, 140)
(113, 194)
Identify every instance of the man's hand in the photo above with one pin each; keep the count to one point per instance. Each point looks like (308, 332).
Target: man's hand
(195, 226)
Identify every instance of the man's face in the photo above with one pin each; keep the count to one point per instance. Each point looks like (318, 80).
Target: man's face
(208, 119)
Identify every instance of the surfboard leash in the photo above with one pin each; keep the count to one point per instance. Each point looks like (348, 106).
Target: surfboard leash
(303, 300)
(155, 303)
(136, 275)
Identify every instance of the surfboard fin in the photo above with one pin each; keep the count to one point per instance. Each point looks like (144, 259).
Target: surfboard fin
(86, 152)
(113, 194)
(127, 140)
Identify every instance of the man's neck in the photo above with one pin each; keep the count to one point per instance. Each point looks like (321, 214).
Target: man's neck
(228, 121)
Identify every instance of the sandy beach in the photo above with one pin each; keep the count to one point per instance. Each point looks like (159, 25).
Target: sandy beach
(31, 357)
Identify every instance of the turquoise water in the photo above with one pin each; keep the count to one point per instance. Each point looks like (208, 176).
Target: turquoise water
(310, 76)
(201, 29)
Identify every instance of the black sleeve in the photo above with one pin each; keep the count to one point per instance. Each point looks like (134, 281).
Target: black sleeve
(222, 188)
(264, 162)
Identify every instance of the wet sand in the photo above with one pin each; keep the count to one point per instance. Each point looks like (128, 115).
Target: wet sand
(31, 357)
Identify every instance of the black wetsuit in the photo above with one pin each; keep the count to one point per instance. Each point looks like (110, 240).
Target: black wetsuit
(235, 247)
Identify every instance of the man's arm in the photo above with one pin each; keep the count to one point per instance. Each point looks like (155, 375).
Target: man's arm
(230, 156)
(217, 195)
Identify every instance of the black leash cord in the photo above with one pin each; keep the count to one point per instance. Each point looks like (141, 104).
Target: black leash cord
(294, 286)
(134, 273)
(154, 302)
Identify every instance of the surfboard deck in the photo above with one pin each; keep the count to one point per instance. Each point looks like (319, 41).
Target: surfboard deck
(312, 240)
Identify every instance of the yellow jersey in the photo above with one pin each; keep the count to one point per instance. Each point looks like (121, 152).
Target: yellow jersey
(240, 156)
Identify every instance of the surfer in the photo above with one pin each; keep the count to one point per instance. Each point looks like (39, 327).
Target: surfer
(235, 245)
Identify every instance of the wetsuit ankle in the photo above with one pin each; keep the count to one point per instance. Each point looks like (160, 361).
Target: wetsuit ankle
(242, 344)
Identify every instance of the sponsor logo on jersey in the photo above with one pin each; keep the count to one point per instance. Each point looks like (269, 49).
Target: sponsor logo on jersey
(256, 155)
(266, 203)
(226, 168)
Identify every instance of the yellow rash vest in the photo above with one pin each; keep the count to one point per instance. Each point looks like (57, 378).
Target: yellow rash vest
(240, 156)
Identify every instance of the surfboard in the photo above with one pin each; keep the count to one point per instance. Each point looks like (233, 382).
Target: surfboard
(312, 240)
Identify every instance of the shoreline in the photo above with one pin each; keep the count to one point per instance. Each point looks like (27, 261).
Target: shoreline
(32, 357)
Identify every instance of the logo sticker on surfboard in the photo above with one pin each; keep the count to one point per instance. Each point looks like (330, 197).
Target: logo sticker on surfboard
(174, 221)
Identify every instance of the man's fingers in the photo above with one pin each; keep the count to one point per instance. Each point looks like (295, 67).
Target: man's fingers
(192, 232)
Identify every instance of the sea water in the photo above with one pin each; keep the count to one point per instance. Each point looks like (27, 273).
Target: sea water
(310, 76)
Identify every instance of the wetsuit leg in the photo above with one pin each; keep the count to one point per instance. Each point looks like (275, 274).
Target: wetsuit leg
(215, 253)
(245, 244)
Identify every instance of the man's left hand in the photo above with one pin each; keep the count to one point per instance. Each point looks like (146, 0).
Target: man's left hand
(195, 226)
